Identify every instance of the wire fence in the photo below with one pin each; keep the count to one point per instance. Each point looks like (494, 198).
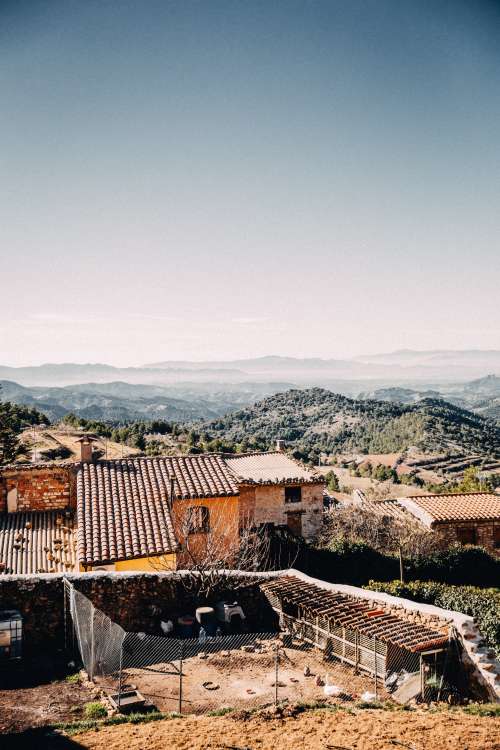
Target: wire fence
(203, 674)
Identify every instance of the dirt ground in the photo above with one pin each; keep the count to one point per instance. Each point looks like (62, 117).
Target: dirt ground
(243, 680)
(53, 439)
(37, 693)
(361, 730)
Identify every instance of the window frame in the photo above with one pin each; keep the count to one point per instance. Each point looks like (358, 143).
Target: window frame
(293, 489)
(202, 525)
(470, 531)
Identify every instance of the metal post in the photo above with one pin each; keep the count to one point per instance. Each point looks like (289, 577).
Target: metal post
(422, 678)
(65, 600)
(180, 677)
(120, 678)
(276, 675)
(375, 655)
(92, 645)
(356, 650)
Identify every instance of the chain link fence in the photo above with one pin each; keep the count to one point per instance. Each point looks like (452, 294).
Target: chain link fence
(302, 664)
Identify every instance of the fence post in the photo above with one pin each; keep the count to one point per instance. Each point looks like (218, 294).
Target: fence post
(276, 674)
(65, 601)
(180, 675)
(120, 678)
(375, 665)
(92, 644)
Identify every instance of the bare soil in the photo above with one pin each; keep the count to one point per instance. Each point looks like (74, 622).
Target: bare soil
(237, 679)
(342, 730)
(36, 693)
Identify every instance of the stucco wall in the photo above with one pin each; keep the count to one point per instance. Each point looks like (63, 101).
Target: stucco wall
(156, 564)
(223, 522)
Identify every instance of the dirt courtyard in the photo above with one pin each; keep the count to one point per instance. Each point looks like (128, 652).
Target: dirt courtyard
(37, 692)
(315, 730)
(238, 679)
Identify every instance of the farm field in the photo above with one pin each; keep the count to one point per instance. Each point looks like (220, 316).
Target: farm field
(342, 730)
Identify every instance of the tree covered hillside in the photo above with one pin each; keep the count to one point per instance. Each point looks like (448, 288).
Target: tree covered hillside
(316, 420)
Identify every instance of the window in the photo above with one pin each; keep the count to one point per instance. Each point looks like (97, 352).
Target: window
(293, 494)
(198, 519)
(466, 535)
(496, 537)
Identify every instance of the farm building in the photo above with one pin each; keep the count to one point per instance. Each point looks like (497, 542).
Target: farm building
(461, 518)
(361, 632)
(136, 513)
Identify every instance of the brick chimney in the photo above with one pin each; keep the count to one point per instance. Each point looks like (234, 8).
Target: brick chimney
(280, 445)
(86, 449)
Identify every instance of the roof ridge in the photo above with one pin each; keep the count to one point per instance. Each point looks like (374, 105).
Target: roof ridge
(450, 494)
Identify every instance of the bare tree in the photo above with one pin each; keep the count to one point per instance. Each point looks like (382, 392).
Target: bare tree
(386, 527)
(215, 545)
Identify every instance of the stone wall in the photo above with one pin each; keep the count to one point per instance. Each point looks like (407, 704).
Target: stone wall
(485, 533)
(265, 503)
(32, 488)
(136, 601)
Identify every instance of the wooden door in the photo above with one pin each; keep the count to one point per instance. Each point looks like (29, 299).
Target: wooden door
(294, 523)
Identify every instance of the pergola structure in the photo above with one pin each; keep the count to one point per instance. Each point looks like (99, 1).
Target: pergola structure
(351, 629)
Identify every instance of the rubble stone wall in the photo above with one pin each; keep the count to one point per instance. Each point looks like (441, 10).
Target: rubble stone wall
(485, 533)
(136, 601)
(265, 503)
(47, 488)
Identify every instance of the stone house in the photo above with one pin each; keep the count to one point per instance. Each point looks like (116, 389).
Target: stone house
(136, 513)
(462, 518)
(466, 518)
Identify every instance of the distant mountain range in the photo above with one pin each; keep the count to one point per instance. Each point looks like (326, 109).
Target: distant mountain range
(120, 402)
(400, 367)
(481, 396)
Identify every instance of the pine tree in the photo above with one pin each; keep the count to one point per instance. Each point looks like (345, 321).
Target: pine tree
(9, 442)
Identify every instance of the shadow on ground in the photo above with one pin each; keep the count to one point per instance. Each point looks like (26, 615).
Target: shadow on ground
(38, 739)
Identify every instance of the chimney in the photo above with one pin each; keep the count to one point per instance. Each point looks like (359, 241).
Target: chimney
(280, 445)
(86, 449)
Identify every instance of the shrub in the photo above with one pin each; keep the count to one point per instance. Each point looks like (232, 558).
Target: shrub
(458, 565)
(94, 710)
(483, 604)
(356, 563)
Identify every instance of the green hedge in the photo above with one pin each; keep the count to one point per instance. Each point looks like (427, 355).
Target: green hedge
(460, 566)
(357, 564)
(483, 604)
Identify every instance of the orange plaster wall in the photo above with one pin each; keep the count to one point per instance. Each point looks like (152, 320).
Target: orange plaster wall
(224, 522)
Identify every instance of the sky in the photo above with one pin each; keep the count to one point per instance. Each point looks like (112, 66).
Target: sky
(209, 180)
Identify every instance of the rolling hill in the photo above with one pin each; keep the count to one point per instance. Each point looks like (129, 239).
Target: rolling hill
(316, 420)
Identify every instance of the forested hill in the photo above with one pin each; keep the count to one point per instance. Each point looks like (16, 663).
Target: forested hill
(315, 420)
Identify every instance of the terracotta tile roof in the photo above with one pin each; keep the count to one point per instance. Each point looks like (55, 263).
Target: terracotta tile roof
(202, 475)
(269, 467)
(123, 511)
(473, 506)
(37, 541)
(358, 614)
(390, 508)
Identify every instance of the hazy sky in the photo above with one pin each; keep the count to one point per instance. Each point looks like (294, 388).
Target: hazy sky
(221, 179)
